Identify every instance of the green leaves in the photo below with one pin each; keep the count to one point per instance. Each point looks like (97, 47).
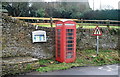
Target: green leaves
(41, 12)
(16, 8)
(42, 9)
(101, 15)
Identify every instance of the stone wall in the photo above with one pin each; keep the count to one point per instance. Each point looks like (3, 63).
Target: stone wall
(108, 40)
(17, 39)
(17, 65)
(19, 53)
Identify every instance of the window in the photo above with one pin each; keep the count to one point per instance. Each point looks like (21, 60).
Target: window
(58, 54)
(58, 30)
(69, 38)
(69, 56)
(69, 48)
(70, 45)
(69, 30)
(69, 41)
(69, 34)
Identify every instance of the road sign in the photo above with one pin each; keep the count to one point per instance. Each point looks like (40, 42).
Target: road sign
(97, 31)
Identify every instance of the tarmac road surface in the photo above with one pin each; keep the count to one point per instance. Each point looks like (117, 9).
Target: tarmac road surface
(96, 71)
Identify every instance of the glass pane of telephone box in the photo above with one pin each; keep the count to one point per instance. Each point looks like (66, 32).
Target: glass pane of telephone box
(69, 34)
(69, 30)
(58, 48)
(58, 45)
(69, 48)
(58, 41)
(69, 56)
(58, 34)
(58, 54)
(58, 37)
(69, 41)
(70, 45)
(69, 38)
(69, 53)
(58, 30)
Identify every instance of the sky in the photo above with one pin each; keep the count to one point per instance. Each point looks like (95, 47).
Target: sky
(105, 4)
(98, 4)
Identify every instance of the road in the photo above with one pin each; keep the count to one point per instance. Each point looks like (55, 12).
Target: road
(90, 70)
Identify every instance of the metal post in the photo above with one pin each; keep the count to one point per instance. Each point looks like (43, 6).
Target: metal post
(97, 45)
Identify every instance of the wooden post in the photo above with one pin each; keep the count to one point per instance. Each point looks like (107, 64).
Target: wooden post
(81, 23)
(51, 22)
(108, 23)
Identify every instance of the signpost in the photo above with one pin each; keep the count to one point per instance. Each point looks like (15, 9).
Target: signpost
(97, 33)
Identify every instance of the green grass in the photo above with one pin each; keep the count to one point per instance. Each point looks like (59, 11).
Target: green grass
(100, 26)
(83, 25)
(84, 58)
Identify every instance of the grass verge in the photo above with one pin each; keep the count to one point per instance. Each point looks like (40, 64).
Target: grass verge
(84, 26)
(84, 58)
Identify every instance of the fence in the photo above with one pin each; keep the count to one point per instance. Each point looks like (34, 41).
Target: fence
(51, 21)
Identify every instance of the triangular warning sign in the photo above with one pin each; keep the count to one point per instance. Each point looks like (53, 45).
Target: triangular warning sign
(97, 31)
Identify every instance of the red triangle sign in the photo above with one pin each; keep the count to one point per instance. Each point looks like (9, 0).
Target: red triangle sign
(97, 31)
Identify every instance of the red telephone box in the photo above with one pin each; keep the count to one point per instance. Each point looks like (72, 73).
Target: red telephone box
(66, 41)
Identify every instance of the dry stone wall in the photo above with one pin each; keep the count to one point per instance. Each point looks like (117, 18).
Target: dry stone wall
(17, 39)
(17, 44)
(108, 40)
